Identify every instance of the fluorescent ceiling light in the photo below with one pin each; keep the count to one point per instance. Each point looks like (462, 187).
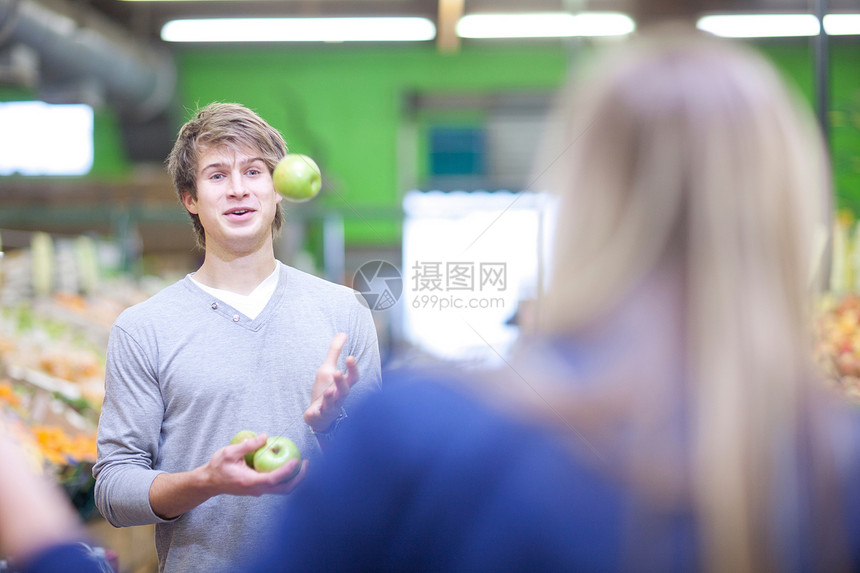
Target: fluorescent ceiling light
(760, 25)
(545, 25)
(842, 24)
(299, 30)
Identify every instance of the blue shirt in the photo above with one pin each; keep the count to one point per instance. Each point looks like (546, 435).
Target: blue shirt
(427, 479)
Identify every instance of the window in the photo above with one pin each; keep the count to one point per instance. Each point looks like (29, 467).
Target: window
(471, 263)
(456, 151)
(37, 138)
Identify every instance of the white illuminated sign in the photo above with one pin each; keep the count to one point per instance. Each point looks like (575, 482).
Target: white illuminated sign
(37, 138)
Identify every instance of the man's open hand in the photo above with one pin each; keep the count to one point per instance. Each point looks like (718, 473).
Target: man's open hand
(331, 387)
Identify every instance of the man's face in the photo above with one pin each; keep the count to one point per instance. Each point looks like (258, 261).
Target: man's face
(236, 200)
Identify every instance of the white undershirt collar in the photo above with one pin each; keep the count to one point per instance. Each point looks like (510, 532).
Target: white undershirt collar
(251, 304)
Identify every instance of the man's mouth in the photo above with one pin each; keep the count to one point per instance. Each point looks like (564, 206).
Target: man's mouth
(239, 211)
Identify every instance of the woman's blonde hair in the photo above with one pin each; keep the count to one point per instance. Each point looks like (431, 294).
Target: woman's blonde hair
(690, 149)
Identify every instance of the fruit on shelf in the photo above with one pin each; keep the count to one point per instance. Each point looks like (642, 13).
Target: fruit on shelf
(61, 448)
(8, 396)
(837, 341)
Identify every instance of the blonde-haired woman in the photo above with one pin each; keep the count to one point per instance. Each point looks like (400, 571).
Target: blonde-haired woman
(665, 415)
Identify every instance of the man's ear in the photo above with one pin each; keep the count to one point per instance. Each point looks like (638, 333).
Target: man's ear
(189, 202)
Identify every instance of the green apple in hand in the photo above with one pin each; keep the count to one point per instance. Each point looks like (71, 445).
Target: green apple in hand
(241, 437)
(277, 451)
(297, 177)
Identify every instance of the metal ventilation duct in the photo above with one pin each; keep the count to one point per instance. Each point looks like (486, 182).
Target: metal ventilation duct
(81, 52)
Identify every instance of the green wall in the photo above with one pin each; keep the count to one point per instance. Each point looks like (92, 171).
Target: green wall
(796, 62)
(845, 124)
(343, 105)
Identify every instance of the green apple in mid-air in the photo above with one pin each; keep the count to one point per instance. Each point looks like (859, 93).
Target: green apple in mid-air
(277, 451)
(297, 177)
(241, 437)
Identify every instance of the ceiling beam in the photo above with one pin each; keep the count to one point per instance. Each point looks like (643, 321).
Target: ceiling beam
(450, 12)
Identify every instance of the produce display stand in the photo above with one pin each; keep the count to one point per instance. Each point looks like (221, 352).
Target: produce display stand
(53, 339)
(837, 343)
(60, 439)
(837, 314)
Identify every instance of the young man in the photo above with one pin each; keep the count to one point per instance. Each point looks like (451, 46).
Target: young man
(244, 343)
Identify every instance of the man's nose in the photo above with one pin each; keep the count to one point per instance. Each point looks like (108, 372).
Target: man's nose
(237, 188)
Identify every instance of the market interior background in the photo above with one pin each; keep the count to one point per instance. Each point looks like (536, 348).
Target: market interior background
(432, 202)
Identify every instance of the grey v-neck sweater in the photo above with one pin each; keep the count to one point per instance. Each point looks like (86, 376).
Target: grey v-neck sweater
(185, 372)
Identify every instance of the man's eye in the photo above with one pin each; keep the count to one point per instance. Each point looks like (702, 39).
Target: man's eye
(217, 176)
(254, 171)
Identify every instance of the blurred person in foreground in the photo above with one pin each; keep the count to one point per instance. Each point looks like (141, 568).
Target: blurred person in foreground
(39, 530)
(244, 343)
(666, 414)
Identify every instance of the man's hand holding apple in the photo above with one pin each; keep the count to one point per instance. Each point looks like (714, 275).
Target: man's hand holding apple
(226, 472)
(331, 387)
(229, 472)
